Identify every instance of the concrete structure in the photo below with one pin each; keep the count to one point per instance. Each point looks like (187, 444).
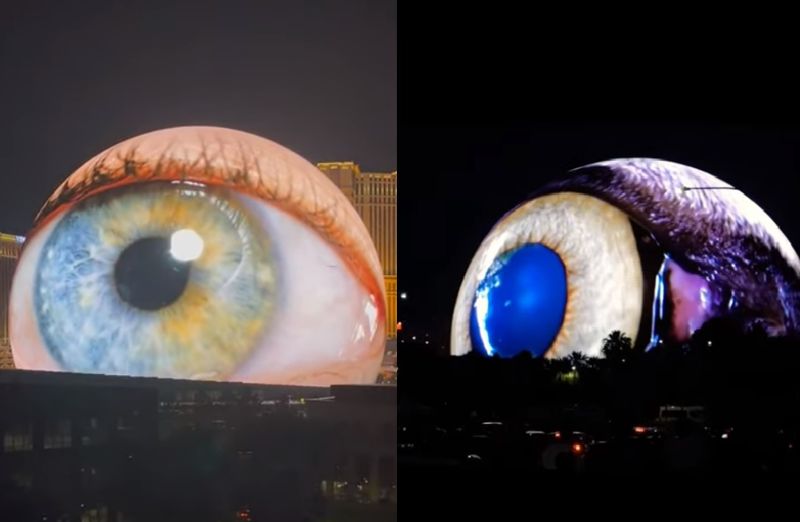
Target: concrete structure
(102, 448)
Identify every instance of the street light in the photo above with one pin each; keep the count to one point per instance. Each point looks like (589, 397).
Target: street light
(403, 295)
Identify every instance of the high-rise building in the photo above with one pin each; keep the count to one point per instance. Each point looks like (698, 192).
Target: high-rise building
(374, 196)
(10, 247)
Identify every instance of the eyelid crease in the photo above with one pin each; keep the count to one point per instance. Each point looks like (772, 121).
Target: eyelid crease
(233, 159)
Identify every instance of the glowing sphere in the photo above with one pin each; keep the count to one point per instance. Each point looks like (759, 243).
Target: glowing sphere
(200, 253)
(640, 240)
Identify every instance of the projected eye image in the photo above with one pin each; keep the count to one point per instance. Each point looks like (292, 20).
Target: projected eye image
(200, 253)
(650, 248)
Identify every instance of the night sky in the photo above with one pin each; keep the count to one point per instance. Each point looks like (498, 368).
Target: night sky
(77, 77)
(466, 177)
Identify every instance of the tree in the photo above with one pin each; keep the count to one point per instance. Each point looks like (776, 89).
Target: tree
(560, 365)
(617, 347)
(578, 361)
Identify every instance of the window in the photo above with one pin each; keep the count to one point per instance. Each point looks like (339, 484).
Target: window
(340, 467)
(58, 434)
(92, 432)
(88, 476)
(362, 468)
(387, 474)
(18, 437)
(99, 514)
(23, 480)
(124, 424)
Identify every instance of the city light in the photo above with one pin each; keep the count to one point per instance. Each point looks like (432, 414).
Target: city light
(403, 295)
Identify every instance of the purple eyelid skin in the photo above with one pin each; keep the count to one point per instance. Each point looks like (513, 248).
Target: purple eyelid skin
(724, 256)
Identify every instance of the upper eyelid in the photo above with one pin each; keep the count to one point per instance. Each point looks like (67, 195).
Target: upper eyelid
(229, 158)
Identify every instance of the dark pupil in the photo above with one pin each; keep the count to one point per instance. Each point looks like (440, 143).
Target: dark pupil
(147, 276)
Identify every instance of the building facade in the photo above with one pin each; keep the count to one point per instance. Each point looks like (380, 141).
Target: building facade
(10, 247)
(374, 196)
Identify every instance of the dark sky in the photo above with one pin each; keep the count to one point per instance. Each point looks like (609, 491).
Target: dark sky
(76, 77)
(467, 177)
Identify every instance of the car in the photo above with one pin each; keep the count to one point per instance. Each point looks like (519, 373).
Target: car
(566, 451)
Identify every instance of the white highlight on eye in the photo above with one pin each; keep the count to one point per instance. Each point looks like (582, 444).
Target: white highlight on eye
(604, 276)
(482, 309)
(186, 245)
(371, 312)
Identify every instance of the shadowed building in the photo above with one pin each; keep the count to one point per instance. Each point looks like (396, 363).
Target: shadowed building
(103, 449)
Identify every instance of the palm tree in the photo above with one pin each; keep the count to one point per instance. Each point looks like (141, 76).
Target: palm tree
(578, 361)
(617, 347)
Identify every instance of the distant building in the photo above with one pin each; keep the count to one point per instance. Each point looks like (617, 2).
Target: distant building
(10, 247)
(388, 374)
(374, 196)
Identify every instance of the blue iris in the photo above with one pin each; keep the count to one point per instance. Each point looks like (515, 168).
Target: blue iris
(520, 304)
(99, 304)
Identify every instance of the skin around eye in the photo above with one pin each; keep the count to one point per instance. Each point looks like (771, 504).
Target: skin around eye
(320, 277)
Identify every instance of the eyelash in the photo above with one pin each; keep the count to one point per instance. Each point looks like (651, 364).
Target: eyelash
(101, 174)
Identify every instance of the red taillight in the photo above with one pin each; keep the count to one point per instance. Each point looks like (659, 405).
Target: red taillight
(578, 448)
(639, 429)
